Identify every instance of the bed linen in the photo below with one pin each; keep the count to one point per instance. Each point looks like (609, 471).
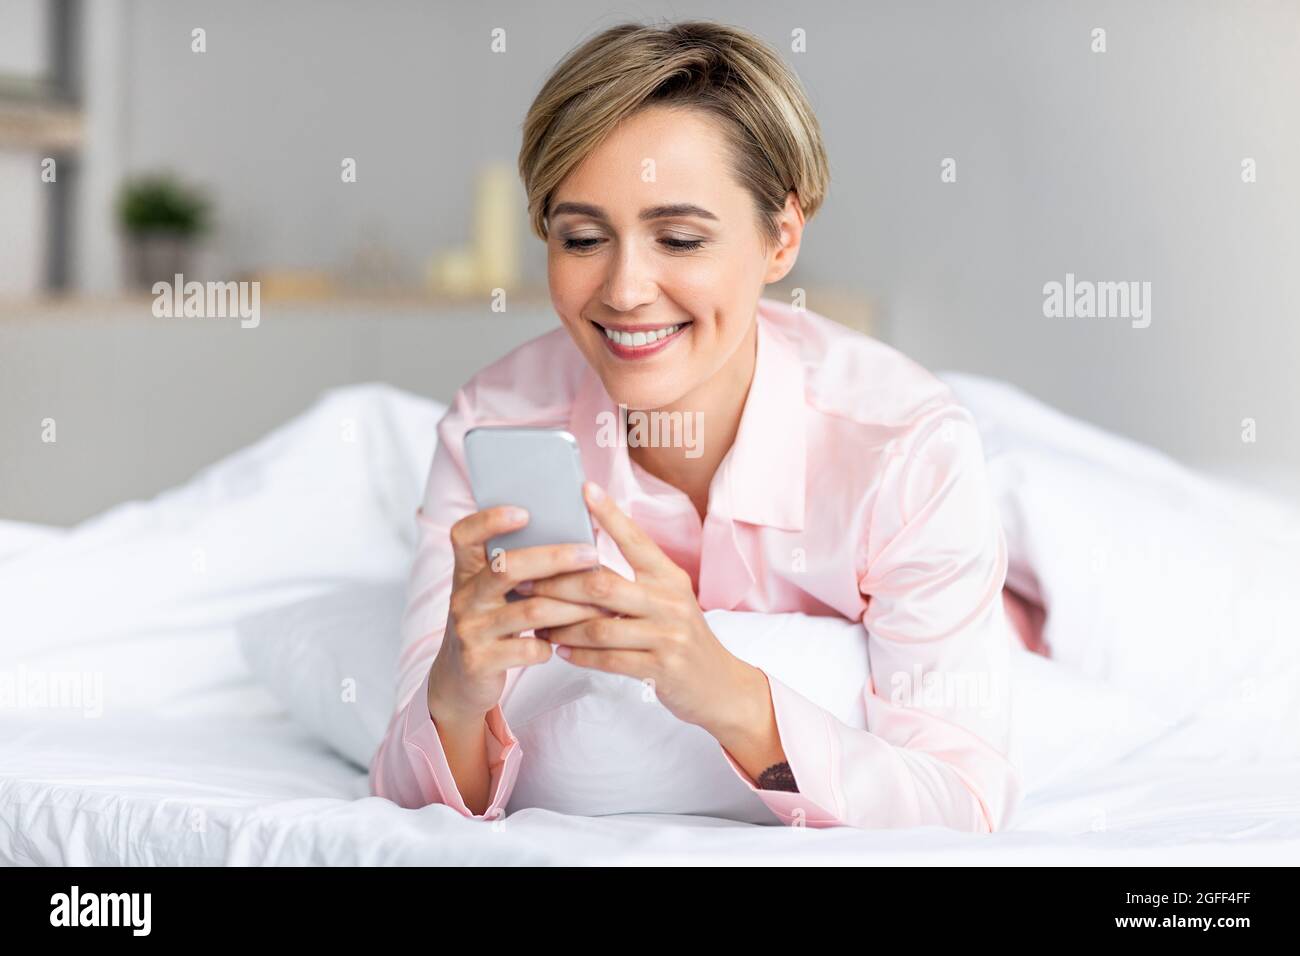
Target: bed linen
(184, 756)
(240, 789)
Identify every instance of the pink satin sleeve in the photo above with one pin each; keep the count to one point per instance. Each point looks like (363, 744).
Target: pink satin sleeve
(935, 750)
(411, 769)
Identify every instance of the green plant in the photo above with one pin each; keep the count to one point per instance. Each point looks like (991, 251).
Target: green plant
(160, 202)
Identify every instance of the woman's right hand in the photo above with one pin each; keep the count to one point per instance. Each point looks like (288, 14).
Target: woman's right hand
(481, 641)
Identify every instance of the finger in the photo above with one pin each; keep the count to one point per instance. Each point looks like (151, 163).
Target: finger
(519, 652)
(535, 612)
(629, 633)
(638, 664)
(471, 533)
(602, 587)
(529, 564)
(639, 548)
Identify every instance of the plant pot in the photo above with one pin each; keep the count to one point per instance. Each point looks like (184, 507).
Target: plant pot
(156, 257)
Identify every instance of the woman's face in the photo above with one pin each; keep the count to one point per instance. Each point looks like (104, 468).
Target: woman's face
(651, 237)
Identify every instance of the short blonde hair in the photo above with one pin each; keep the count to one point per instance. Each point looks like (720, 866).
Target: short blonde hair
(774, 138)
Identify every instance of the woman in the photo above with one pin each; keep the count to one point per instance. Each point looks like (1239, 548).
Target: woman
(670, 173)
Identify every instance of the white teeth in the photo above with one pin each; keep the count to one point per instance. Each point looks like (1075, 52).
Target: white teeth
(634, 339)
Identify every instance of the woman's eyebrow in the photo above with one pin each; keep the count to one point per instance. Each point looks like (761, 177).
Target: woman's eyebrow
(653, 212)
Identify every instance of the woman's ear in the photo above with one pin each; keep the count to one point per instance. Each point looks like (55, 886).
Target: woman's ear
(782, 257)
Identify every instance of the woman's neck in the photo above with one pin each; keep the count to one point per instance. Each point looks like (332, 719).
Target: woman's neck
(718, 405)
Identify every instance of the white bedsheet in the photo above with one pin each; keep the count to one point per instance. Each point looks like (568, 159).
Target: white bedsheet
(193, 762)
(247, 789)
(217, 773)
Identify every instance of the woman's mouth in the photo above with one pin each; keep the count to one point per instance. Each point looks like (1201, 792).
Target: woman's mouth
(642, 342)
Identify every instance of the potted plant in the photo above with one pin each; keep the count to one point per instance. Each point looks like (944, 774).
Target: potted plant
(162, 218)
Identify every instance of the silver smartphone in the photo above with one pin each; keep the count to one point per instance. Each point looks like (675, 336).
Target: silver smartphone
(538, 469)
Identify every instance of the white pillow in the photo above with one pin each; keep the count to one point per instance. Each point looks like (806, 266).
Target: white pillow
(595, 744)
(331, 660)
(1163, 582)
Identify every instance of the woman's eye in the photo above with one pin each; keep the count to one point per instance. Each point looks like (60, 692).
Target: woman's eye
(583, 244)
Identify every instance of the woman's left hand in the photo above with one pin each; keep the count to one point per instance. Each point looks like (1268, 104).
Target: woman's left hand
(660, 634)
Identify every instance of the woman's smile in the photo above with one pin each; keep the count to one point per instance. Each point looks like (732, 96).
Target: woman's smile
(641, 341)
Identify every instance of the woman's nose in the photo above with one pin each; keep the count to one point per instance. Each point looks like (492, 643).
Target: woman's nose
(630, 283)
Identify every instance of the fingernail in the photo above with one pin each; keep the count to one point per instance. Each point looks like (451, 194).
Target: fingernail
(585, 553)
(594, 491)
(524, 587)
(563, 651)
(516, 514)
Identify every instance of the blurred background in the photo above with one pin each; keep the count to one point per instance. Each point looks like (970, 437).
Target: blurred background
(358, 161)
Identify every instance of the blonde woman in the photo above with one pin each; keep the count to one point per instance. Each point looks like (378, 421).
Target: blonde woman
(670, 172)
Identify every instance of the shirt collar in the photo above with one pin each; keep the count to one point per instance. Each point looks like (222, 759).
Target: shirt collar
(761, 480)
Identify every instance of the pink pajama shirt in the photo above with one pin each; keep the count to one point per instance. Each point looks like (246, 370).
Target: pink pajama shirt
(856, 487)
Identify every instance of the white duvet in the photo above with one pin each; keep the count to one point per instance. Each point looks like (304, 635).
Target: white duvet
(133, 730)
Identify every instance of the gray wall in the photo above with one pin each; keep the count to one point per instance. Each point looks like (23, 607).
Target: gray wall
(140, 404)
(1117, 166)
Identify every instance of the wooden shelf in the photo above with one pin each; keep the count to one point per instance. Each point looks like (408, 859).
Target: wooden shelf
(846, 307)
(31, 120)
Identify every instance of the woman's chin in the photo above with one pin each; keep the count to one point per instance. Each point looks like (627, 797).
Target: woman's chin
(638, 399)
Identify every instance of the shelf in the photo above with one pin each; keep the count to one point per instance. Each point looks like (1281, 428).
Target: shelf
(848, 308)
(35, 120)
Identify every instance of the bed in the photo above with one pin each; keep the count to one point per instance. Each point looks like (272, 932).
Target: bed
(256, 790)
(168, 745)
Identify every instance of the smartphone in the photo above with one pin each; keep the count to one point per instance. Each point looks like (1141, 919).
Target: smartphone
(538, 469)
